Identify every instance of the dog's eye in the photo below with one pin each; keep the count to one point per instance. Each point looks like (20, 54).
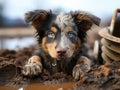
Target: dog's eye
(71, 35)
(51, 35)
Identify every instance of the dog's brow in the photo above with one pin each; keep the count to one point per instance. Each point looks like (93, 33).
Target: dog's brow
(69, 29)
(54, 29)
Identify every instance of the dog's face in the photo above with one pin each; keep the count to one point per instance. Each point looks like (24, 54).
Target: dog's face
(61, 39)
(62, 34)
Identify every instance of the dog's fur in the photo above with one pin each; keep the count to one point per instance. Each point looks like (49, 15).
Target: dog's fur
(60, 38)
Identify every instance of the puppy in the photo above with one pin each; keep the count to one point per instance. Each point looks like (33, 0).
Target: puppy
(60, 38)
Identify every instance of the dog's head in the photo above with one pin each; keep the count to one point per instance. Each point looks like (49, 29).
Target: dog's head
(61, 34)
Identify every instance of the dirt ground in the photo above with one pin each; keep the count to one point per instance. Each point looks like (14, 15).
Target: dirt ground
(100, 77)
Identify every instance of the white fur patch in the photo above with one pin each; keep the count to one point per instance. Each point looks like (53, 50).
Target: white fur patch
(63, 20)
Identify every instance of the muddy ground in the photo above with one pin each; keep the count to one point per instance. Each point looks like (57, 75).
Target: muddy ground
(100, 77)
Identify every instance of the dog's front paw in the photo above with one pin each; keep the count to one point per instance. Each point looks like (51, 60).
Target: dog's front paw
(83, 66)
(33, 67)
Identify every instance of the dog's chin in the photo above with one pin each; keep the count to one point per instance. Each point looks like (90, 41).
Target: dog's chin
(57, 57)
(61, 57)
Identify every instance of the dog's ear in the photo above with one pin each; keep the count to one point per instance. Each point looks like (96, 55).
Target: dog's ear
(37, 18)
(84, 20)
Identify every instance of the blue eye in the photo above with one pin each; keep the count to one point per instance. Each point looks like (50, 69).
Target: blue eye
(71, 35)
(51, 35)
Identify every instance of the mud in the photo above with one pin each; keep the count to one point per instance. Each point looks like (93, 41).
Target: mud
(104, 76)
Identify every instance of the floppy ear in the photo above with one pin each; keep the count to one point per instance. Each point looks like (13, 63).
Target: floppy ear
(84, 20)
(37, 18)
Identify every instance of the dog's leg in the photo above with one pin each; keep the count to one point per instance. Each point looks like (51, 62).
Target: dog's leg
(33, 67)
(83, 66)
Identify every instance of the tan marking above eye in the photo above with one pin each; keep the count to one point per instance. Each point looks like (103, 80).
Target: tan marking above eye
(54, 29)
(68, 29)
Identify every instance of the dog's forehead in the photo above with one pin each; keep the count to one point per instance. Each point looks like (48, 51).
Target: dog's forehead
(64, 19)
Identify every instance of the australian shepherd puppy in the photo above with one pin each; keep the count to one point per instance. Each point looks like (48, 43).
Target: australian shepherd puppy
(60, 38)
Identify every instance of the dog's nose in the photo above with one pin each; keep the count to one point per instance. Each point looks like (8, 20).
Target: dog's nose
(61, 51)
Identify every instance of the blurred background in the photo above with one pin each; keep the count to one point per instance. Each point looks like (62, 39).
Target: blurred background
(16, 34)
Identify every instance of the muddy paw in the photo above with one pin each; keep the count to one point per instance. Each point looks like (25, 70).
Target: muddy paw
(33, 67)
(83, 66)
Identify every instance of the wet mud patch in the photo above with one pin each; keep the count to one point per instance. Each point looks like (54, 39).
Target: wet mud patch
(100, 77)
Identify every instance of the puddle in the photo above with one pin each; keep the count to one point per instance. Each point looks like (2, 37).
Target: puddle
(40, 86)
(64, 86)
(8, 88)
